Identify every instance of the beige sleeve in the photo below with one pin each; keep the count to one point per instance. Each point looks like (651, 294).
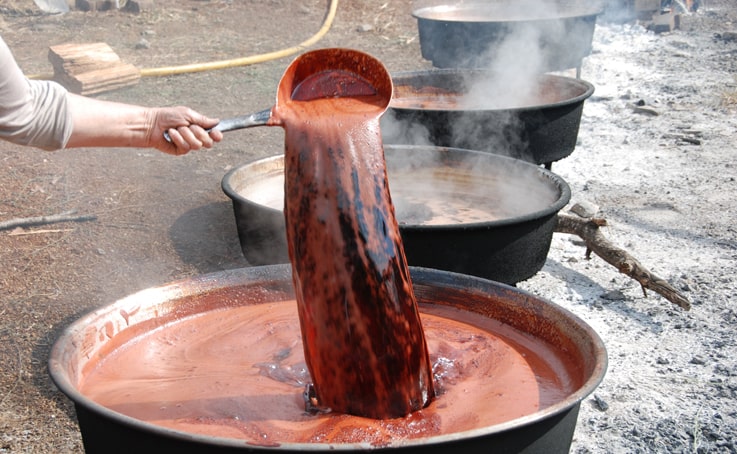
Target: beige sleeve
(32, 112)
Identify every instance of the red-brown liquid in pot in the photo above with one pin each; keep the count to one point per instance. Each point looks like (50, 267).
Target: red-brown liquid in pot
(239, 373)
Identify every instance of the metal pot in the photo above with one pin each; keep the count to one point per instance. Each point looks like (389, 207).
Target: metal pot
(473, 109)
(475, 34)
(94, 338)
(514, 202)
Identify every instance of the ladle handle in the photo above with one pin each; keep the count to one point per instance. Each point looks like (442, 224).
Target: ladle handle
(239, 122)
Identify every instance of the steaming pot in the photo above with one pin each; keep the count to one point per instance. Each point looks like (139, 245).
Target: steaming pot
(478, 34)
(536, 120)
(508, 241)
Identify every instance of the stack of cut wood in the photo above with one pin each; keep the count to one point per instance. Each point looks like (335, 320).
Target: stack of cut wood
(91, 68)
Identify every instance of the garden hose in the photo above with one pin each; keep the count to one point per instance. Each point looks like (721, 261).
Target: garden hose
(242, 61)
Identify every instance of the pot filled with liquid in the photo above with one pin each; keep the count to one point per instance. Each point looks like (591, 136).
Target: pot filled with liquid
(534, 118)
(458, 210)
(556, 34)
(215, 363)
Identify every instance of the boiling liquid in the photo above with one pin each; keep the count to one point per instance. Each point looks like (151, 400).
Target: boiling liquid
(239, 373)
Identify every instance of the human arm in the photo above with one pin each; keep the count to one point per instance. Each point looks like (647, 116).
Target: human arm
(43, 114)
(98, 123)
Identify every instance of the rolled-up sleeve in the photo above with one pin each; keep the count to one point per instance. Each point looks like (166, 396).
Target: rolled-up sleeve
(32, 112)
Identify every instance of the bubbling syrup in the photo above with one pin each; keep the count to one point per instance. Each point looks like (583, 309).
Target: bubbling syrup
(238, 373)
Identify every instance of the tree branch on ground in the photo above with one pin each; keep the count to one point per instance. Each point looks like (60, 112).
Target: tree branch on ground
(588, 229)
(67, 216)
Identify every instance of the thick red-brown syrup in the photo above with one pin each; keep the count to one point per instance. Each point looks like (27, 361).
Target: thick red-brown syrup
(239, 373)
(363, 339)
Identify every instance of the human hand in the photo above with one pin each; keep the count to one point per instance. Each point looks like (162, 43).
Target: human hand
(186, 129)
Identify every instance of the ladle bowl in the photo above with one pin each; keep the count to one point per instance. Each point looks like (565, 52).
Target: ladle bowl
(321, 73)
(97, 337)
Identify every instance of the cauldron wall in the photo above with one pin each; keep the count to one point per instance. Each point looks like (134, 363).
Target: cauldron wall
(540, 136)
(103, 435)
(562, 42)
(261, 232)
(507, 254)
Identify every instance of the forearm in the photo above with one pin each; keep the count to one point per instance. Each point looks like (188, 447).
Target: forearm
(99, 123)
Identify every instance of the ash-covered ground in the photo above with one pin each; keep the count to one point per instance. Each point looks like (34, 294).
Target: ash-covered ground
(657, 155)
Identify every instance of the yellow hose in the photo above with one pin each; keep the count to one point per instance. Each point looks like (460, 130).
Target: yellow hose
(243, 61)
(197, 67)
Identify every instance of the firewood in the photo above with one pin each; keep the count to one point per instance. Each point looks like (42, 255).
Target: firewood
(80, 58)
(91, 68)
(101, 80)
(588, 229)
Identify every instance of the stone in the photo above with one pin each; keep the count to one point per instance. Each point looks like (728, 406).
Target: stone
(585, 209)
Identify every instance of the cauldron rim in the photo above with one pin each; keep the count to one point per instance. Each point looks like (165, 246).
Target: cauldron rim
(205, 283)
(586, 87)
(587, 9)
(561, 201)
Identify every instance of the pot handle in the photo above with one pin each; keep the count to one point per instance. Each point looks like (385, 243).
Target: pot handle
(240, 122)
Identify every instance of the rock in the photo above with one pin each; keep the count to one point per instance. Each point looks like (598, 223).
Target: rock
(96, 5)
(585, 209)
(52, 6)
(728, 36)
(645, 110)
(698, 359)
(143, 44)
(137, 6)
(614, 295)
(600, 403)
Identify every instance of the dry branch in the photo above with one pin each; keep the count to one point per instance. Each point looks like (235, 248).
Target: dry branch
(588, 230)
(67, 216)
(20, 232)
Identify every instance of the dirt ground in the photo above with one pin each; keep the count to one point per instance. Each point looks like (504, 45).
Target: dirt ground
(160, 218)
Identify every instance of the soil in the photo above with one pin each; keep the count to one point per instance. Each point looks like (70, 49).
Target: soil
(655, 154)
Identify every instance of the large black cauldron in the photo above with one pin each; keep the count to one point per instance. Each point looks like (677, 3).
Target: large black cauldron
(476, 34)
(94, 338)
(464, 211)
(535, 119)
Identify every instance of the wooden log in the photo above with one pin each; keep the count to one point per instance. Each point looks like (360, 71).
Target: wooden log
(81, 58)
(91, 68)
(101, 80)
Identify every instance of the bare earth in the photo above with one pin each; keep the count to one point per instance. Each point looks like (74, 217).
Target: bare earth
(666, 183)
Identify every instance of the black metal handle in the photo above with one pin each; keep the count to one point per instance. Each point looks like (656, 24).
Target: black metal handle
(240, 122)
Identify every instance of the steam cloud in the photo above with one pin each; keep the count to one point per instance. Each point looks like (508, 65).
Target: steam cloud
(531, 37)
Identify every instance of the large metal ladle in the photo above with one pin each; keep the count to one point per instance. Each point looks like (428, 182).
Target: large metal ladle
(322, 73)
